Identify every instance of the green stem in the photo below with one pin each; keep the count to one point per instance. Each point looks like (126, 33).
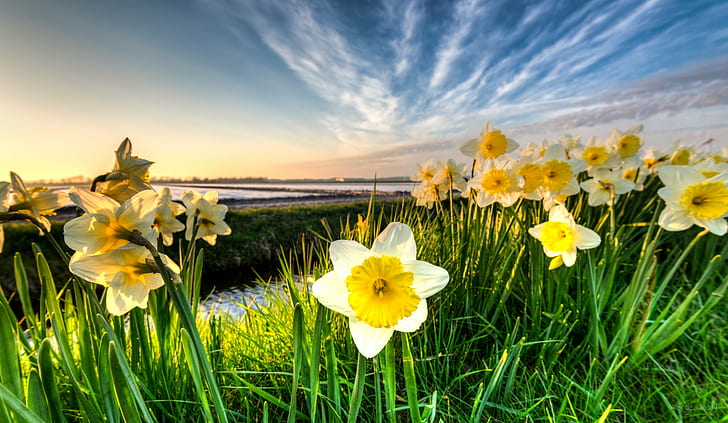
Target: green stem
(410, 380)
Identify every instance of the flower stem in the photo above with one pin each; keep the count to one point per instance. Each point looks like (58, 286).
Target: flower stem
(358, 390)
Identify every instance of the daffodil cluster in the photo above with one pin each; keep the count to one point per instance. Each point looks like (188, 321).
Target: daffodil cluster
(116, 238)
(695, 188)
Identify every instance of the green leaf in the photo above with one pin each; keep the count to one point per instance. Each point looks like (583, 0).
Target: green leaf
(36, 399)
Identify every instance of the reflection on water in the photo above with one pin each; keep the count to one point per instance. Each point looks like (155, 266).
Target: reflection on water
(235, 301)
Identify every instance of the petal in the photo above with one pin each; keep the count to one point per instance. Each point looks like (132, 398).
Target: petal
(124, 294)
(347, 254)
(470, 147)
(396, 240)
(153, 281)
(414, 321)
(680, 176)
(536, 231)
(331, 291)
(138, 212)
(87, 233)
(717, 226)
(675, 219)
(558, 213)
(92, 202)
(670, 195)
(428, 278)
(99, 268)
(569, 257)
(586, 238)
(369, 341)
(19, 185)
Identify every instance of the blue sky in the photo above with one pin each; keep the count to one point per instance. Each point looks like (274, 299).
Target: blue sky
(347, 88)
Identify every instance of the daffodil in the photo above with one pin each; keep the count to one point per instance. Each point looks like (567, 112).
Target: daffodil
(129, 175)
(606, 186)
(450, 174)
(559, 175)
(165, 221)
(692, 199)
(491, 144)
(128, 273)
(637, 175)
(427, 194)
(570, 143)
(426, 171)
(108, 225)
(381, 289)
(626, 145)
(208, 214)
(596, 155)
(4, 190)
(561, 236)
(37, 201)
(496, 182)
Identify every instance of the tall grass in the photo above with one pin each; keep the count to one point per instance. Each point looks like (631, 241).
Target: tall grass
(635, 331)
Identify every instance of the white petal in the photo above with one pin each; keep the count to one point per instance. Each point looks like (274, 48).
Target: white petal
(558, 213)
(347, 254)
(569, 257)
(586, 238)
(92, 202)
(138, 212)
(536, 231)
(670, 195)
(87, 233)
(680, 176)
(429, 279)
(675, 219)
(414, 321)
(99, 268)
(717, 226)
(396, 240)
(331, 291)
(470, 147)
(369, 341)
(153, 281)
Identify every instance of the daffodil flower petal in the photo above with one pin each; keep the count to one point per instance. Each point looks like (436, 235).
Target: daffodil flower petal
(347, 254)
(429, 279)
(369, 341)
(86, 233)
(674, 219)
(587, 238)
(414, 321)
(92, 202)
(396, 240)
(332, 292)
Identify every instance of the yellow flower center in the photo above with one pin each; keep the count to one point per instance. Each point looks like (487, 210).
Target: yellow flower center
(595, 156)
(532, 176)
(709, 173)
(556, 174)
(496, 181)
(380, 291)
(630, 174)
(629, 145)
(428, 175)
(494, 144)
(681, 158)
(557, 236)
(705, 200)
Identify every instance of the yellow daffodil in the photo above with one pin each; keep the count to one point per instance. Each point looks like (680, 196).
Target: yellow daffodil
(692, 199)
(129, 176)
(596, 154)
(496, 182)
(4, 190)
(426, 171)
(381, 289)
(626, 145)
(606, 186)
(561, 236)
(491, 144)
(165, 221)
(37, 201)
(210, 216)
(108, 225)
(128, 273)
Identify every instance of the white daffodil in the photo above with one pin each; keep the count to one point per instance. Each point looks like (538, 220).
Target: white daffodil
(426, 171)
(427, 194)
(559, 175)
(165, 221)
(596, 155)
(37, 201)
(210, 216)
(128, 273)
(532, 174)
(496, 182)
(570, 143)
(4, 190)
(108, 225)
(129, 176)
(561, 236)
(626, 145)
(450, 175)
(380, 290)
(692, 199)
(606, 186)
(491, 144)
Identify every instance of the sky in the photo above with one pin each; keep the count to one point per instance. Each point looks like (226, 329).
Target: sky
(318, 89)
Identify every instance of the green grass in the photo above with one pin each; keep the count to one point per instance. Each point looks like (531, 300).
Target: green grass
(507, 340)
